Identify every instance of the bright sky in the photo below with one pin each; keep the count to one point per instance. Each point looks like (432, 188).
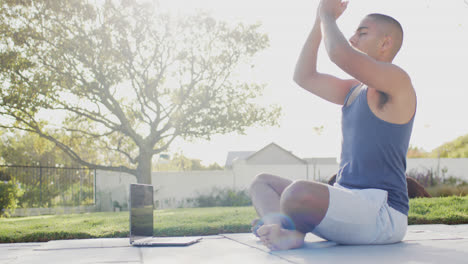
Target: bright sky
(434, 53)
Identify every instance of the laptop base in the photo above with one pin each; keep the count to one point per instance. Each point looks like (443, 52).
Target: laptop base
(166, 241)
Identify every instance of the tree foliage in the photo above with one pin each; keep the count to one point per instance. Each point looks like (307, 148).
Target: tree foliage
(29, 149)
(182, 163)
(127, 79)
(416, 152)
(457, 148)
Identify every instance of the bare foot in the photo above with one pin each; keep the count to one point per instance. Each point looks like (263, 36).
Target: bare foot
(256, 224)
(277, 238)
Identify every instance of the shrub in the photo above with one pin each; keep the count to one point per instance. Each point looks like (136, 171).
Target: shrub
(444, 190)
(9, 194)
(223, 197)
(437, 186)
(426, 178)
(454, 181)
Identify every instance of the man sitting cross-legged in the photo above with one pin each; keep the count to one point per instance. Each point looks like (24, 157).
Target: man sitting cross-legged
(368, 204)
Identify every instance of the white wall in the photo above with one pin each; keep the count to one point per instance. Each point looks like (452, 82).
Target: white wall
(322, 173)
(110, 187)
(457, 168)
(243, 174)
(273, 156)
(172, 189)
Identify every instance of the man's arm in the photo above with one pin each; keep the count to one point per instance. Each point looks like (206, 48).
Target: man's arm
(325, 86)
(382, 76)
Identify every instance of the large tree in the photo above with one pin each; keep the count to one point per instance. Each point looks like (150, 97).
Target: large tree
(125, 78)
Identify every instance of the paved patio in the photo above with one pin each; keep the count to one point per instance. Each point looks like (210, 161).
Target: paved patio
(422, 244)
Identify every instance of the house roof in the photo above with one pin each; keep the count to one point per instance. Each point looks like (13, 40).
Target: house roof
(236, 155)
(257, 156)
(274, 146)
(322, 161)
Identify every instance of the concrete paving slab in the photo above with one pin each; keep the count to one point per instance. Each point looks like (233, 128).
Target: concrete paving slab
(422, 244)
(211, 251)
(83, 255)
(12, 251)
(84, 244)
(458, 230)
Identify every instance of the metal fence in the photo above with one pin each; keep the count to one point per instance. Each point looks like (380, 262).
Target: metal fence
(46, 187)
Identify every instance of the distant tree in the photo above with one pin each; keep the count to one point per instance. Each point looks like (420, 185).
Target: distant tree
(457, 148)
(415, 152)
(214, 166)
(2, 161)
(19, 148)
(128, 79)
(30, 149)
(182, 163)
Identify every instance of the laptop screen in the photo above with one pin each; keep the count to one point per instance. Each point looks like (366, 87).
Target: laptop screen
(141, 211)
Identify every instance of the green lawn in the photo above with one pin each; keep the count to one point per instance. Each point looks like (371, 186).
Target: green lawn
(173, 222)
(444, 210)
(192, 221)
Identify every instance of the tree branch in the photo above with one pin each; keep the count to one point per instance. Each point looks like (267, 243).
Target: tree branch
(34, 128)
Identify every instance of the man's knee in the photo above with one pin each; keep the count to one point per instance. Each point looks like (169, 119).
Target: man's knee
(306, 203)
(303, 193)
(295, 194)
(268, 182)
(260, 179)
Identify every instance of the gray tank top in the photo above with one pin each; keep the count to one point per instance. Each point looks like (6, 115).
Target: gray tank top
(374, 152)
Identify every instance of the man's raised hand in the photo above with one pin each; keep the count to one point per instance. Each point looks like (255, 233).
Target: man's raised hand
(332, 8)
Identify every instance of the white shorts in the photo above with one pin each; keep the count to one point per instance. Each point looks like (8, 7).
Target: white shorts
(361, 217)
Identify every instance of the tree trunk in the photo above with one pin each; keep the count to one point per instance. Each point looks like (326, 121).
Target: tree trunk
(144, 167)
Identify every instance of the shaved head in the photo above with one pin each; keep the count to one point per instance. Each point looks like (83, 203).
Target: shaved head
(390, 27)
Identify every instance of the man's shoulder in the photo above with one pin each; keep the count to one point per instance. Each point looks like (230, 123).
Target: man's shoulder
(402, 75)
(401, 81)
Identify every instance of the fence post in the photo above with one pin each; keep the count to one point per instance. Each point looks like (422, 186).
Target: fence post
(40, 186)
(94, 189)
(80, 197)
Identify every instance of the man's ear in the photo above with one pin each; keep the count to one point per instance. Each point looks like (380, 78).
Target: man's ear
(387, 43)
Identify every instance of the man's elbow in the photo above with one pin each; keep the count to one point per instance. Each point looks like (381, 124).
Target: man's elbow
(297, 78)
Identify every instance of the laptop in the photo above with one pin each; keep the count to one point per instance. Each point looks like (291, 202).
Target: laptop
(141, 221)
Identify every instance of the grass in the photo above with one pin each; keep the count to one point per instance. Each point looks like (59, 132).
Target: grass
(443, 210)
(193, 221)
(173, 222)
